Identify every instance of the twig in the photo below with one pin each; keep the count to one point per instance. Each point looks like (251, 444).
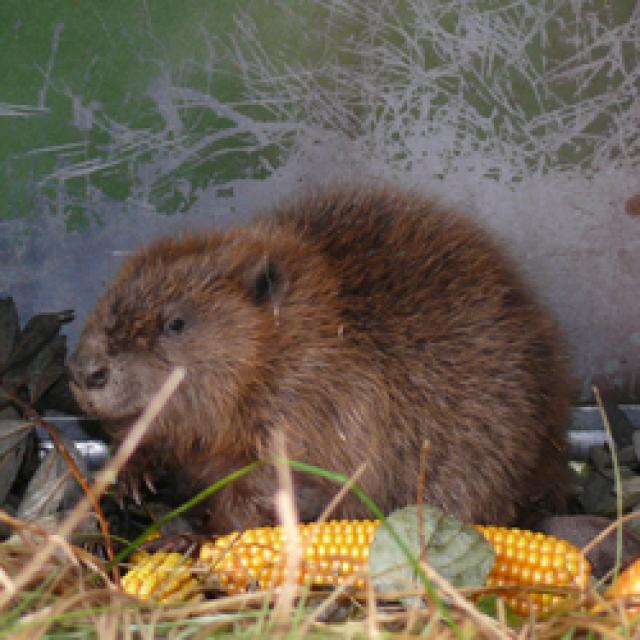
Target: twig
(325, 606)
(422, 480)
(103, 480)
(373, 629)
(75, 471)
(491, 626)
(346, 488)
(72, 551)
(608, 530)
(616, 475)
(6, 582)
(288, 516)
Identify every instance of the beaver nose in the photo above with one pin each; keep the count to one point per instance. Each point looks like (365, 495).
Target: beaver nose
(88, 373)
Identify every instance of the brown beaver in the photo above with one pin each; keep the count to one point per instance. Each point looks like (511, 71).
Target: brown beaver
(359, 322)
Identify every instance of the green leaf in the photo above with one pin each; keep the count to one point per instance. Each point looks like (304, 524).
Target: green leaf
(488, 603)
(456, 551)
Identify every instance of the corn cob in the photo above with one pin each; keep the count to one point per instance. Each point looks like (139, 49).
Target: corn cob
(334, 552)
(627, 585)
(161, 576)
(330, 553)
(528, 559)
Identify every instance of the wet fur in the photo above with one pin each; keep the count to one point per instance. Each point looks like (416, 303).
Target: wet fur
(359, 322)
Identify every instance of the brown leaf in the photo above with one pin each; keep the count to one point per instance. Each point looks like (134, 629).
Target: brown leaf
(46, 367)
(52, 487)
(9, 329)
(14, 439)
(37, 332)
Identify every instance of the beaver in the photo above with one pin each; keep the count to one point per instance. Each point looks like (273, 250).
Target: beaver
(359, 322)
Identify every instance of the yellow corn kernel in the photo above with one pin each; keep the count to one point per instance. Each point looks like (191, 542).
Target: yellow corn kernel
(336, 551)
(161, 576)
(627, 585)
(528, 559)
(330, 553)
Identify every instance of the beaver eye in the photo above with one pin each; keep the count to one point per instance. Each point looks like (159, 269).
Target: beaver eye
(174, 326)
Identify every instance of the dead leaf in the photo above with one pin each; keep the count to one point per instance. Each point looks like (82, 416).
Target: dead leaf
(9, 329)
(14, 440)
(52, 488)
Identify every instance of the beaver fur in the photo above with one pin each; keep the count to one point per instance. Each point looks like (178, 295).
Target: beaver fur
(360, 322)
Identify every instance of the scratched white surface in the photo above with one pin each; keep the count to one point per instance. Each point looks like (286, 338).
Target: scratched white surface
(434, 107)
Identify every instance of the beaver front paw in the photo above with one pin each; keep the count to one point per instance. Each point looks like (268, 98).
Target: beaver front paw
(131, 484)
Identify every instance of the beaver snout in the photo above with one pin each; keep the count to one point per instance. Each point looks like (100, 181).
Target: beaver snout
(88, 372)
(112, 384)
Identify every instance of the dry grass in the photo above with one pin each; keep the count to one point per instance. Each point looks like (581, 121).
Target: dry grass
(70, 596)
(50, 588)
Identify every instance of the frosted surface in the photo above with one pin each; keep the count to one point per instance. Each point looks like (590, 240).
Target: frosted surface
(524, 113)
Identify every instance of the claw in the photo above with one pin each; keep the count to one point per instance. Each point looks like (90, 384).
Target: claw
(119, 495)
(135, 493)
(149, 482)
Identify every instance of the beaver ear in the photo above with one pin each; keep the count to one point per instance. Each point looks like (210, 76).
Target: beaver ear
(267, 282)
